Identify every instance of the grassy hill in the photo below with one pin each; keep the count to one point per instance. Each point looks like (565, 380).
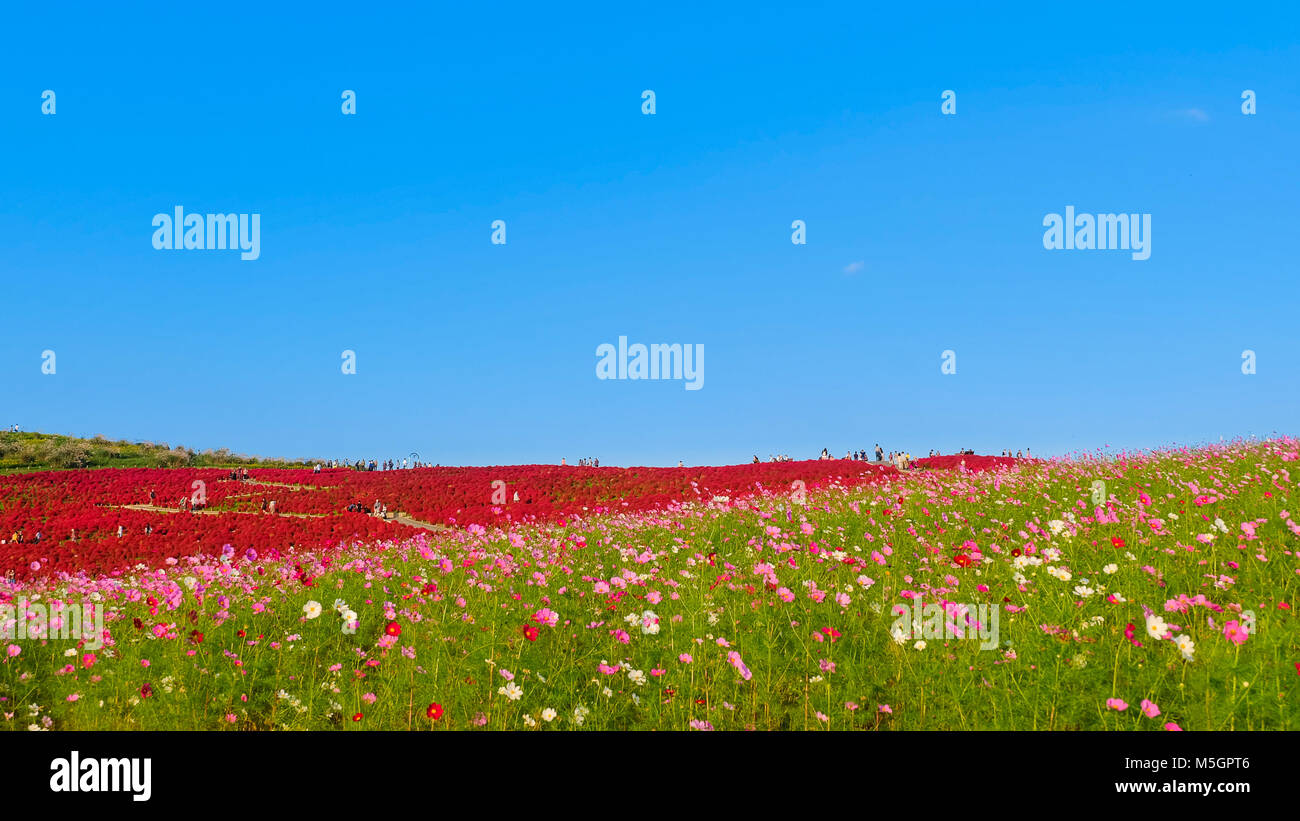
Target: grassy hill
(43, 451)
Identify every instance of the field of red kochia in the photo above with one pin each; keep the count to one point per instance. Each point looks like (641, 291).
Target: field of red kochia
(311, 508)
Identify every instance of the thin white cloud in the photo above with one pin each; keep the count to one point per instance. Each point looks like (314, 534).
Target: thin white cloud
(853, 267)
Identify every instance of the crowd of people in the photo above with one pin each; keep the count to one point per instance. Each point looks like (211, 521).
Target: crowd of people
(864, 455)
(378, 509)
(374, 464)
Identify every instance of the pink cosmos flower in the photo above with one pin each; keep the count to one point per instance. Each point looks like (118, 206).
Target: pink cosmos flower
(1172, 727)
(685, 658)
(1234, 633)
(1128, 634)
(1150, 709)
(1117, 704)
(547, 617)
(733, 658)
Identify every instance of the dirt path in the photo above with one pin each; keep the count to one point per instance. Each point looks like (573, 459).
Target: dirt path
(403, 519)
(399, 518)
(276, 484)
(157, 509)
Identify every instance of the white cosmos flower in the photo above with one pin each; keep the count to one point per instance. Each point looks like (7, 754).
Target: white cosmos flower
(548, 715)
(1110, 568)
(1186, 645)
(920, 645)
(511, 691)
(311, 609)
(1156, 627)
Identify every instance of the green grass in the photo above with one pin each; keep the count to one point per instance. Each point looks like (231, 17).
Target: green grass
(24, 452)
(278, 675)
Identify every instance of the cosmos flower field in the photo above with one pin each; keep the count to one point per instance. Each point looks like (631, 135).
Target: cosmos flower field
(1151, 591)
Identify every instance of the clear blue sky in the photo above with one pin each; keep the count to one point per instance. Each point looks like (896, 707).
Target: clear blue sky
(375, 228)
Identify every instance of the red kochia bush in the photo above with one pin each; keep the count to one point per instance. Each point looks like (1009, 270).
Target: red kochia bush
(973, 462)
(93, 503)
